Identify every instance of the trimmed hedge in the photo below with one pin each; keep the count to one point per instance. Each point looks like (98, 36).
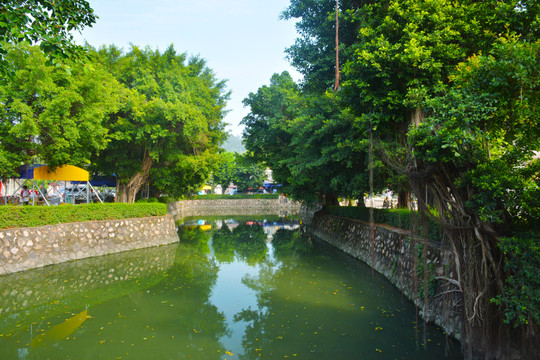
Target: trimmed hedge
(30, 216)
(400, 218)
(238, 196)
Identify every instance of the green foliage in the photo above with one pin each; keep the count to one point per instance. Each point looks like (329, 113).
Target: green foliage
(449, 92)
(52, 114)
(148, 201)
(400, 218)
(47, 23)
(225, 172)
(266, 135)
(313, 53)
(249, 174)
(521, 296)
(486, 128)
(432, 283)
(161, 200)
(306, 140)
(31, 216)
(170, 126)
(239, 170)
(468, 71)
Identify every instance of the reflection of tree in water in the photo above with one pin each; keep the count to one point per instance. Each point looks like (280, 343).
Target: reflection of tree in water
(170, 317)
(248, 243)
(189, 286)
(195, 238)
(269, 325)
(289, 243)
(223, 246)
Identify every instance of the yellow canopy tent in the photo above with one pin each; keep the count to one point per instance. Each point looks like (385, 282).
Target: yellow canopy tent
(65, 173)
(62, 173)
(206, 187)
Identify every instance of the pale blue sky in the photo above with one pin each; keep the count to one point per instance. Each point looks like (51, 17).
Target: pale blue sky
(243, 41)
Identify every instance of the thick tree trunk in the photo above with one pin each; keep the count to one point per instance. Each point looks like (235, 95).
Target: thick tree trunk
(479, 268)
(127, 192)
(417, 116)
(403, 199)
(331, 199)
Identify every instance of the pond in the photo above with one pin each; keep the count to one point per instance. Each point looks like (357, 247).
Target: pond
(233, 288)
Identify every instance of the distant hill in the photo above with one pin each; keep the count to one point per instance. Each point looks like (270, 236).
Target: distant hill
(234, 144)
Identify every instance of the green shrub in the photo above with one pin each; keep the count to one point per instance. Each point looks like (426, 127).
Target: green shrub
(400, 218)
(146, 201)
(29, 216)
(521, 295)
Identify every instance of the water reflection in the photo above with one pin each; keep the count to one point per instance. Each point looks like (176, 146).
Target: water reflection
(240, 288)
(284, 297)
(30, 296)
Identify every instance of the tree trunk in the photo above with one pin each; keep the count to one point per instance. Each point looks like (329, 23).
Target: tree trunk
(403, 199)
(417, 116)
(128, 192)
(331, 199)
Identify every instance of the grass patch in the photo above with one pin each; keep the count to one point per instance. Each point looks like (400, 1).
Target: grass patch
(30, 216)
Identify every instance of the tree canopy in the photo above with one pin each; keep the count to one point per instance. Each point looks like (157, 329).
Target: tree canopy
(50, 115)
(43, 22)
(170, 125)
(240, 170)
(306, 140)
(145, 116)
(446, 94)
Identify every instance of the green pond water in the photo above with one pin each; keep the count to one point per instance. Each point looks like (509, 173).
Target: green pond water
(231, 289)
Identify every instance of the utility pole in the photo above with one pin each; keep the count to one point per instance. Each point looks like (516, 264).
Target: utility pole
(336, 84)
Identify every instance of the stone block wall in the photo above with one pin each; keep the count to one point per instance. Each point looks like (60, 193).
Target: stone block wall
(187, 208)
(402, 259)
(27, 248)
(29, 296)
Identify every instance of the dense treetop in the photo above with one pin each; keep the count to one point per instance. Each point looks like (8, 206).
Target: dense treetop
(438, 99)
(44, 22)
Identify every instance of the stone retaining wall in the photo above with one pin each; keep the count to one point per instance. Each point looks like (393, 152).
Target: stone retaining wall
(187, 208)
(29, 296)
(398, 257)
(27, 248)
